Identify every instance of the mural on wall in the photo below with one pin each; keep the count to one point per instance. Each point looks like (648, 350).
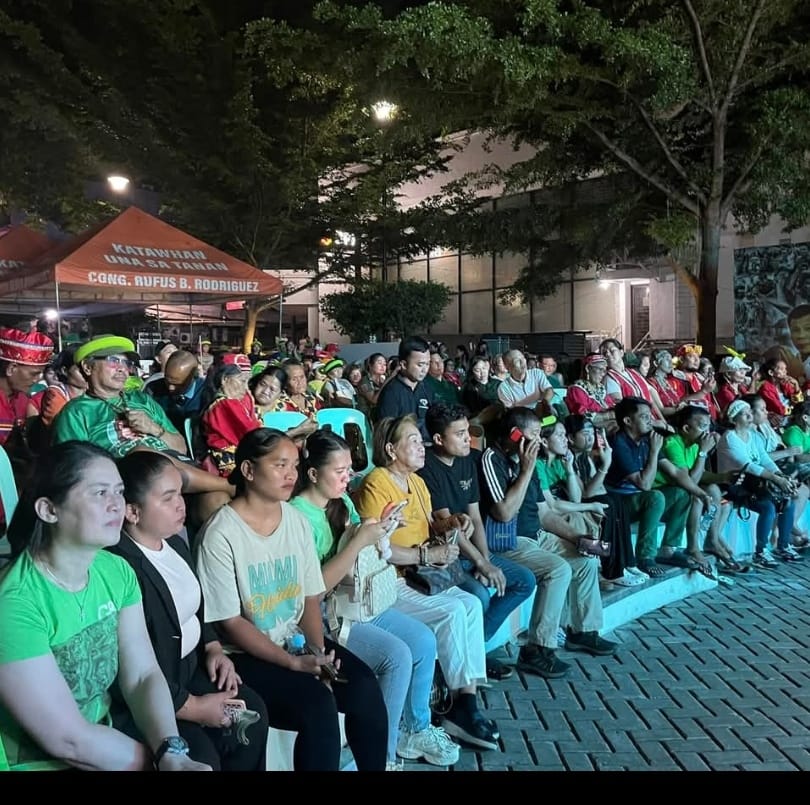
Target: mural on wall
(772, 304)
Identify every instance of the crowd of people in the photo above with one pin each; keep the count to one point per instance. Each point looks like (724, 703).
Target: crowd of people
(175, 564)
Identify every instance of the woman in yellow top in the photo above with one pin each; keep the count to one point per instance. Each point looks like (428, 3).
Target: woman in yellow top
(454, 616)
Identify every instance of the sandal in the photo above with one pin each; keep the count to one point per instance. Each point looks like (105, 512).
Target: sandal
(653, 570)
(683, 560)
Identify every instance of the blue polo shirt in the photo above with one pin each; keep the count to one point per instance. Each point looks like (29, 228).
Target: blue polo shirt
(629, 457)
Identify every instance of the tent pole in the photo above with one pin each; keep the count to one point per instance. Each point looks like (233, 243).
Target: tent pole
(280, 312)
(190, 325)
(157, 307)
(58, 318)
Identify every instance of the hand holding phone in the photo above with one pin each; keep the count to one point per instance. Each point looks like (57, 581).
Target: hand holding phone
(328, 669)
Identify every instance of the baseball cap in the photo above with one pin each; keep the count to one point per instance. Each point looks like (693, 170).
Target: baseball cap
(731, 363)
(237, 359)
(104, 345)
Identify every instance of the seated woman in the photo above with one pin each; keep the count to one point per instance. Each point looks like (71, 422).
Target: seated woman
(262, 585)
(398, 648)
(373, 380)
(202, 679)
(588, 396)
(454, 616)
(671, 390)
(73, 625)
(228, 413)
(780, 391)
(498, 367)
(740, 449)
(479, 392)
(591, 470)
(788, 452)
(336, 391)
(266, 389)
(296, 396)
(732, 381)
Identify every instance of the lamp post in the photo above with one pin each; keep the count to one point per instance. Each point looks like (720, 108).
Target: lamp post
(384, 112)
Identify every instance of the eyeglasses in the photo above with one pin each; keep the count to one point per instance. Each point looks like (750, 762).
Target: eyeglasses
(115, 360)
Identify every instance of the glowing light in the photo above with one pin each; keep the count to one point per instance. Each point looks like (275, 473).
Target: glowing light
(118, 184)
(51, 314)
(384, 111)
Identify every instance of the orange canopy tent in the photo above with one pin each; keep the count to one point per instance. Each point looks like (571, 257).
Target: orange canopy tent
(136, 258)
(20, 245)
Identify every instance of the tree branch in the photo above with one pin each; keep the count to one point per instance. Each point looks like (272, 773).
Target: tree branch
(701, 48)
(685, 274)
(741, 181)
(743, 52)
(671, 158)
(639, 170)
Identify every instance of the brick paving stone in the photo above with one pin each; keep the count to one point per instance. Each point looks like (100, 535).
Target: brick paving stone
(692, 762)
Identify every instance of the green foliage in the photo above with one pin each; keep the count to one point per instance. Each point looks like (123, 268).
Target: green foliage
(373, 307)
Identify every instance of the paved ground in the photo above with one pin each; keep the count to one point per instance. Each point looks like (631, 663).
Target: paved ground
(718, 681)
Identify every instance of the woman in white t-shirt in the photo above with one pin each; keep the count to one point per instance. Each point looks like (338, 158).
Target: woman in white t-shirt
(262, 584)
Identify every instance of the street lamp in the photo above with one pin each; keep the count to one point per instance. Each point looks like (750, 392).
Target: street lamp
(118, 184)
(384, 112)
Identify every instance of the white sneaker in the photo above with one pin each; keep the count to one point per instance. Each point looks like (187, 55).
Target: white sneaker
(634, 571)
(433, 744)
(765, 559)
(394, 765)
(628, 580)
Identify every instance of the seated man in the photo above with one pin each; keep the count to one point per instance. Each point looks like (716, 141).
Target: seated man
(510, 497)
(636, 450)
(451, 476)
(682, 464)
(524, 386)
(120, 421)
(179, 392)
(442, 389)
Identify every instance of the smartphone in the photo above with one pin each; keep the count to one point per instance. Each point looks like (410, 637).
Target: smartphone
(515, 435)
(238, 704)
(452, 536)
(392, 510)
(328, 669)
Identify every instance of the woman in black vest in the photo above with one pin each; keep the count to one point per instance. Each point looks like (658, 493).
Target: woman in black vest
(202, 679)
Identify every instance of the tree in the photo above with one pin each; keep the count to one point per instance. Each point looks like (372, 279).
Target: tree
(377, 308)
(705, 105)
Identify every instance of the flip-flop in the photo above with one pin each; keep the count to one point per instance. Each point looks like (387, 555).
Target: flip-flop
(726, 564)
(683, 560)
(652, 569)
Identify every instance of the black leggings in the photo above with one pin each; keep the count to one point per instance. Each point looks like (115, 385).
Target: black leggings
(301, 703)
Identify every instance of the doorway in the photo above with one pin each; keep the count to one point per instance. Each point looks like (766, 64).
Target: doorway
(639, 312)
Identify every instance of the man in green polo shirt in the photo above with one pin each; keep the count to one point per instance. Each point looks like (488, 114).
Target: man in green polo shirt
(682, 465)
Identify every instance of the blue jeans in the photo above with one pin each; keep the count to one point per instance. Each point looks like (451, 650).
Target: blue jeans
(767, 516)
(402, 653)
(520, 583)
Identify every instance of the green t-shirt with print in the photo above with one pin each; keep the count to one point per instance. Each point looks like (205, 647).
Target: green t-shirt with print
(79, 629)
(91, 419)
(325, 543)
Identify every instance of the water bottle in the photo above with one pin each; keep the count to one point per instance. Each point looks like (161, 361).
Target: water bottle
(295, 642)
(705, 522)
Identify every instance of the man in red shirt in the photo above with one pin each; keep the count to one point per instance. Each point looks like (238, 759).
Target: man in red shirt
(23, 356)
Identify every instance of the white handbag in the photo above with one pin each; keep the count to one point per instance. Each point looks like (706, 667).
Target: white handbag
(368, 590)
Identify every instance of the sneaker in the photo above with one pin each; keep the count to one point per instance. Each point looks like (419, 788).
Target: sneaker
(433, 744)
(497, 670)
(470, 727)
(542, 661)
(628, 580)
(638, 572)
(764, 558)
(787, 554)
(394, 765)
(591, 643)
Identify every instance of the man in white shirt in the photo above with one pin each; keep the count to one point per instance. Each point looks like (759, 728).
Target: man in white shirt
(524, 387)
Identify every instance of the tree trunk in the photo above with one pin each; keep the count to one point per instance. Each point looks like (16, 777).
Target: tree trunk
(252, 311)
(706, 296)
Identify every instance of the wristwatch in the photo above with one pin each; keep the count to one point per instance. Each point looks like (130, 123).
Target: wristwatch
(173, 745)
(703, 454)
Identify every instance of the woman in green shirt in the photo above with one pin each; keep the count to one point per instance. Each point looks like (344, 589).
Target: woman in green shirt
(398, 648)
